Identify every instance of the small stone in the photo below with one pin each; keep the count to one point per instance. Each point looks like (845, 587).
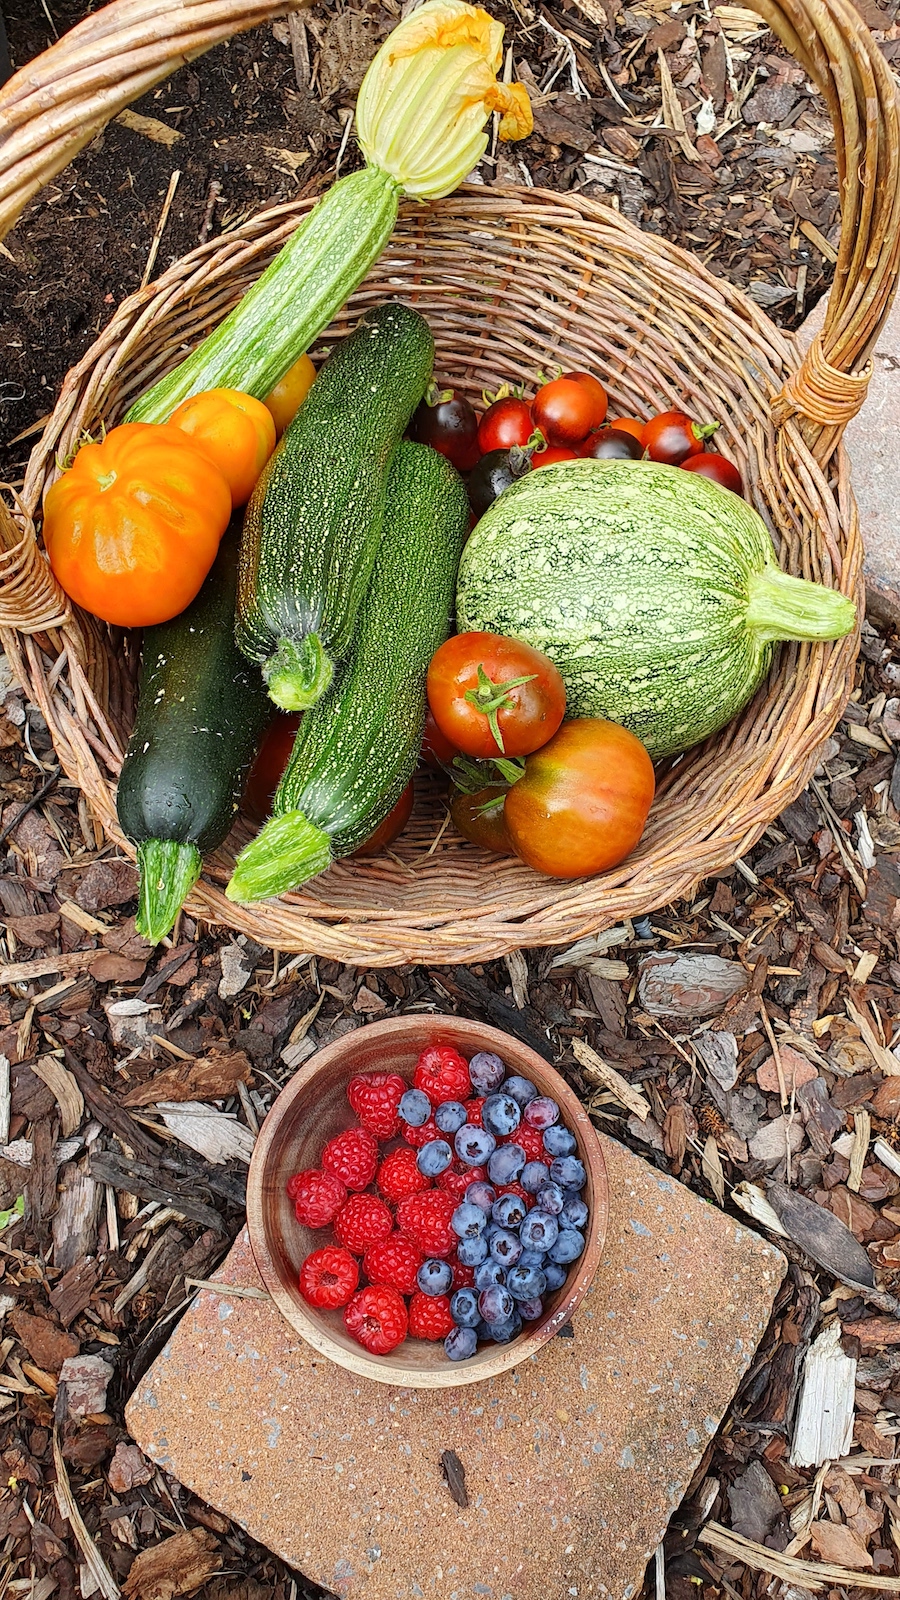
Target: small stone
(130, 1022)
(771, 1144)
(128, 1469)
(796, 1070)
(87, 1379)
(237, 970)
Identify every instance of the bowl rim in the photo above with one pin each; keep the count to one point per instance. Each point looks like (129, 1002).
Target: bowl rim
(527, 1343)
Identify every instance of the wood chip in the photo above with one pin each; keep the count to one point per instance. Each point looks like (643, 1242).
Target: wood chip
(596, 1070)
(824, 1427)
(862, 1124)
(213, 1134)
(46, 967)
(81, 918)
(205, 1078)
(99, 1571)
(882, 1057)
(150, 127)
(672, 112)
(65, 1091)
(180, 1565)
(712, 1169)
(815, 1575)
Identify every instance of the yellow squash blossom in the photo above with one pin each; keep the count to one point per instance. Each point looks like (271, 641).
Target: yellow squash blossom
(426, 98)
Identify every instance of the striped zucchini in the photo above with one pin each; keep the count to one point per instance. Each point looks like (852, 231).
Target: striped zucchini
(314, 524)
(655, 592)
(356, 750)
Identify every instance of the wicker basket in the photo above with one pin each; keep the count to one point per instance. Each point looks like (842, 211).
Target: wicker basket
(511, 281)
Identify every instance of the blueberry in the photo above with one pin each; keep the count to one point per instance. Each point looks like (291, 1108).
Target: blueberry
(539, 1230)
(484, 1329)
(530, 1310)
(526, 1283)
(533, 1176)
(505, 1247)
(521, 1089)
(555, 1275)
(558, 1141)
(506, 1163)
(486, 1071)
(434, 1277)
(415, 1108)
(500, 1114)
(503, 1332)
(464, 1308)
(567, 1247)
(574, 1213)
(471, 1252)
(531, 1258)
(460, 1344)
(551, 1198)
(474, 1145)
(481, 1194)
(568, 1172)
(509, 1210)
(468, 1221)
(434, 1158)
(449, 1116)
(542, 1112)
(496, 1304)
(489, 1274)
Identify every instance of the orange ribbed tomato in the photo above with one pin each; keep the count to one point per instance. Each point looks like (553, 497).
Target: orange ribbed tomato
(133, 527)
(287, 396)
(234, 430)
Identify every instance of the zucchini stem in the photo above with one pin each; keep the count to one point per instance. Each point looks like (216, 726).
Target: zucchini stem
(168, 871)
(298, 673)
(287, 852)
(780, 606)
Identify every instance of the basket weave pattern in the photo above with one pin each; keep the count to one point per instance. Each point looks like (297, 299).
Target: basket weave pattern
(513, 282)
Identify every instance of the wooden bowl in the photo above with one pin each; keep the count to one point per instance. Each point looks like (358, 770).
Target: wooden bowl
(313, 1108)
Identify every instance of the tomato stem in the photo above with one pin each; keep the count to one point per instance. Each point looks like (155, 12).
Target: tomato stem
(490, 697)
(704, 430)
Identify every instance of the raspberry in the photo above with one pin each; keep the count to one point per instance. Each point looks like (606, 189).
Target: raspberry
(463, 1277)
(395, 1261)
(364, 1220)
(457, 1178)
(317, 1196)
(376, 1317)
(328, 1278)
(399, 1176)
(425, 1218)
(418, 1137)
(531, 1141)
(473, 1112)
(516, 1188)
(375, 1097)
(430, 1316)
(352, 1157)
(443, 1074)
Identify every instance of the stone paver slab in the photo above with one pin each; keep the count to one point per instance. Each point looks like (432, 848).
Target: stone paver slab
(574, 1460)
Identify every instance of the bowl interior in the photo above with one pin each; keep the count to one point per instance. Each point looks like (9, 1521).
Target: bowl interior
(312, 1109)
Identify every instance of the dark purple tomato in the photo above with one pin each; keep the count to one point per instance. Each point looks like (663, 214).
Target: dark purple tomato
(450, 426)
(494, 473)
(611, 445)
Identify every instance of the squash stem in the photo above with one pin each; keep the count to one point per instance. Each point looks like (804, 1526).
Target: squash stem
(168, 871)
(287, 852)
(783, 607)
(298, 674)
(295, 298)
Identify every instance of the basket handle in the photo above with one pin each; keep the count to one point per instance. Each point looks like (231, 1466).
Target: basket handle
(835, 48)
(57, 103)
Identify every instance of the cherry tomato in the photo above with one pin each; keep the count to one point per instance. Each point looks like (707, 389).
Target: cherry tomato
(717, 469)
(234, 431)
(287, 396)
(392, 826)
(505, 423)
(448, 423)
(490, 694)
(632, 425)
(494, 473)
(565, 412)
(597, 393)
(271, 760)
(611, 445)
(479, 818)
(437, 751)
(672, 437)
(582, 803)
(552, 454)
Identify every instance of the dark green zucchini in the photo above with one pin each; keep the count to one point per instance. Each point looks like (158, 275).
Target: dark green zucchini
(313, 526)
(355, 751)
(202, 710)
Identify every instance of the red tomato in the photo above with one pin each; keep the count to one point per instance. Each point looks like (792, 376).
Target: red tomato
(717, 469)
(582, 804)
(490, 694)
(392, 826)
(632, 425)
(597, 393)
(552, 454)
(505, 423)
(565, 411)
(672, 437)
(437, 751)
(479, 818)
(448, 423)
(271, 760)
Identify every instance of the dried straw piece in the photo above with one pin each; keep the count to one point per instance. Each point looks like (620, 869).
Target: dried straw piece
(815, 1575)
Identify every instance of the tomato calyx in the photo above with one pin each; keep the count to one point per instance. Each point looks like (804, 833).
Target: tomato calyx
(490, 697)
(471, 775)
(506, 391)
(437, 397)
(704, 430)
